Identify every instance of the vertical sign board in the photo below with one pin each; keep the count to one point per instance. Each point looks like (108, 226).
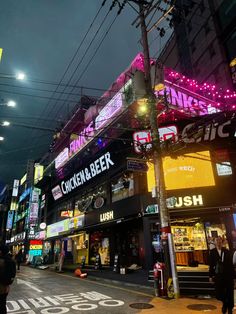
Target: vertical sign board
(10, 218)
(15, 188)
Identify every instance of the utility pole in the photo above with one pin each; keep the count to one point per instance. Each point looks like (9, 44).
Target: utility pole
(166, 236)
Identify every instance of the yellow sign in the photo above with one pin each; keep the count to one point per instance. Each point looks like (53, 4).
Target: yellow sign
(36, 247)
(1, 50)
(23, 179)
(187, 171)
(38, 173)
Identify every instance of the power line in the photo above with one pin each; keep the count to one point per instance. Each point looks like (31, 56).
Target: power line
(81, 60)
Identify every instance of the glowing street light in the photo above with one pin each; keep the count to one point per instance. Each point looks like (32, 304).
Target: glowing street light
(6, 123)
(1, 138)
(11, 103)
(20, 76)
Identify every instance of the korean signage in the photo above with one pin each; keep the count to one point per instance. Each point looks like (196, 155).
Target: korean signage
(15, 188)
(76, 222)
(62, 158)
(100, 165)
(10, 217)
(106, 115)
(23, 179)
(38, 173)
(112, 109)
(55, 229)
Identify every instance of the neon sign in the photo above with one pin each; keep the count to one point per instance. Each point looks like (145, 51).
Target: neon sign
(112, 109)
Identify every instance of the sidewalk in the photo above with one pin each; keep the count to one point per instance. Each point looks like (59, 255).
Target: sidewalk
(138, 281)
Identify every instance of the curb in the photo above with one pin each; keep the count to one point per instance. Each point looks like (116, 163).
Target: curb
(122, 283)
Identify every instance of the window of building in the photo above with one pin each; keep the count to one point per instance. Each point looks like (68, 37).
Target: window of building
(90, 200)
(122, 186)
(212, 51)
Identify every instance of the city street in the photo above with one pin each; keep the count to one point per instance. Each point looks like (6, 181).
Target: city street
(44, 292)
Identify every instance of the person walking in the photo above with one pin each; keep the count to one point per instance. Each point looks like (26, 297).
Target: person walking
(7, 275)
(19, 258)
(221, 272)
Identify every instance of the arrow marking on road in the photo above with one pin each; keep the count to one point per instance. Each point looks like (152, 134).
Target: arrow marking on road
(29, 284)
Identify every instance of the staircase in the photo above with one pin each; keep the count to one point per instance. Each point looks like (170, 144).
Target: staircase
(192, 282)
(195, 283)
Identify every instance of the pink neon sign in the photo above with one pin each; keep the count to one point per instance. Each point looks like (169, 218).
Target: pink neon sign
(112, 109)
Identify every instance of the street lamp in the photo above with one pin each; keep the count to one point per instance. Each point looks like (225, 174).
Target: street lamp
(21, 76)
(9, 103)
(5, 123)
(1, 138)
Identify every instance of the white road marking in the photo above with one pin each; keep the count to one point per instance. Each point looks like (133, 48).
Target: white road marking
(29, 284)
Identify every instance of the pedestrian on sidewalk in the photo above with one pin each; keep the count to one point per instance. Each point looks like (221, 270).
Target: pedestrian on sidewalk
(19, 258)
(221, 272)
(7, 275)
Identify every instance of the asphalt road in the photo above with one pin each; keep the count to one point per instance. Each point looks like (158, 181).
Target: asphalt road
(47, 292)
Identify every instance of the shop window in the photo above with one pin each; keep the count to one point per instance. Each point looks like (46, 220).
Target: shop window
(100, 244)
(65, 210)
(122, 187)
(93, 199)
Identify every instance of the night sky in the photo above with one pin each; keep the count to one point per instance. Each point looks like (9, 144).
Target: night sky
(40, 38)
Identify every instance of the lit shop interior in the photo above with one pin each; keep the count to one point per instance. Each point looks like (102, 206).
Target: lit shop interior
(194, 226)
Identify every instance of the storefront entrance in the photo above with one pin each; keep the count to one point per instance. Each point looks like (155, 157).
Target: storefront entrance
(194, 237)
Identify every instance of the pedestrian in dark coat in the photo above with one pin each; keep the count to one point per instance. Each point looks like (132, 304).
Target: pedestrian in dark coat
(4, 288)
(221, 271)
(19, 258)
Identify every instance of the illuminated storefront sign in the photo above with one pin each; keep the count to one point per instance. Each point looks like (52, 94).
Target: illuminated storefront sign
(10, 217)
(186, 201)
(76, 222)
(15, 188)
(25, 194)
(23, 179)
(36, 247)
(112, 108)
(66, 213)
(142, 138)
(107, 216)
(190, 102)
(62, 158)
(38, 173)
(54, 230)
(188, 171)
(100, 165)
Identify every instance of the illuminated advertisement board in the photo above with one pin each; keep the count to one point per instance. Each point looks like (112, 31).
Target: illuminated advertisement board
(10, 217)
(55, 229)
(38, 173)
(187, 171)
